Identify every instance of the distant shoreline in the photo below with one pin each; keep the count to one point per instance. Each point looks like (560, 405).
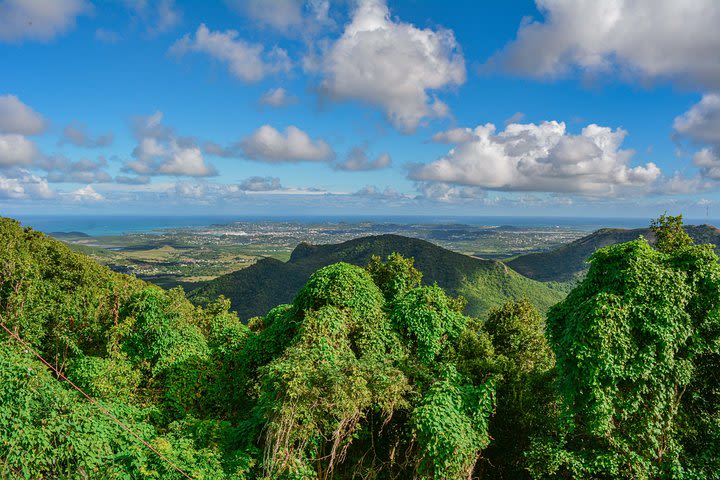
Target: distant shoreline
(99, 225)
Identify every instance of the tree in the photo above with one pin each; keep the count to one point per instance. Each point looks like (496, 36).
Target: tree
(630, 342)
(394, 277)
(669, 233)
(524, 363)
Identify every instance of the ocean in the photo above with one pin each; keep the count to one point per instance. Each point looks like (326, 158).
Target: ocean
(110, 225)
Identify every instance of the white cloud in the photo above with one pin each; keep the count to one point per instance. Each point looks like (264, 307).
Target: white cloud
(190, 190)
(159, 16)
(709, 163)
(542, 158)
(207, 193)
(680, 185)
(391, 65)
(260, 184)
(16, 150)
(247, 61)
(187, 161)
(85, 194)
(288, 17)
(650, 39)
(16, 117)
(455, 135)
(267, 144)
(277, 97)
(374, 192)
(24, 185)
(136, 180)
(449, 193)
(161, 152)
(278, 14)
(78, 135)
(39, 19)
(62, 170)
(358, 160)
(702, 122)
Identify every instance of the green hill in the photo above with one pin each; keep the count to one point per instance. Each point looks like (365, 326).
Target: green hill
(569, 262)
(485, 283)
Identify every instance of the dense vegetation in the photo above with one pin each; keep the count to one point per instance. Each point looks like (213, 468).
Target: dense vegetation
(367, 373)
(569, 262)
(485, 284)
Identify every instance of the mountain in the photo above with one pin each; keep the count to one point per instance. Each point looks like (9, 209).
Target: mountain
(569, 262)
(484, 283)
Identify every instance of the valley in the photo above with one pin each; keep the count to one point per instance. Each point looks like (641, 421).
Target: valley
(191, 256)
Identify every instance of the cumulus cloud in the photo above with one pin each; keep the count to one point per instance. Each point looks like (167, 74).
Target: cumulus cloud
(260, 184)
(16, 117)
(701, 125)
(78, 135)
(708, 161)
(392, 65)
(186, 161)
(39, 19)
(455, 135)
(269, 145)
(246, 61)
(16, 150)
(86, 194)
(542, 158)
(358, 160)
(650, 39)
(161, 152)
(22, 185)
(277, 97)
(63, 170)
(702, 122)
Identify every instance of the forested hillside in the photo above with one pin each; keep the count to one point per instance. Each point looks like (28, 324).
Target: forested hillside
(570, 262)
(367, 374)
(484, 283)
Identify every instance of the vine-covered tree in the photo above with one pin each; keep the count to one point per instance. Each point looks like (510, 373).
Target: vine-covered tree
(636, 343)
(365, 375)
(524, 363)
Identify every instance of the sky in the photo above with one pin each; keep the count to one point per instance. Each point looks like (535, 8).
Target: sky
(310, 107)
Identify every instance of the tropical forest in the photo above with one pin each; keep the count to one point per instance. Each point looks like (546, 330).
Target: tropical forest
(368, 373)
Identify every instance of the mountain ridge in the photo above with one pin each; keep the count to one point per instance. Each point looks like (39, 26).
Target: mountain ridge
(569, 262)
(485, 283)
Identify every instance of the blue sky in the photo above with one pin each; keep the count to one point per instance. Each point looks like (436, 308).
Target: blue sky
(354, 107)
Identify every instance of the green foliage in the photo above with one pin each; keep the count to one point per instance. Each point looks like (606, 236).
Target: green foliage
(451, 422)
(359, 376)
(524, 408)
(484, 283)
(629, 340)
(394, 277)
(367, 373)
(669, 233)
(427, 319)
